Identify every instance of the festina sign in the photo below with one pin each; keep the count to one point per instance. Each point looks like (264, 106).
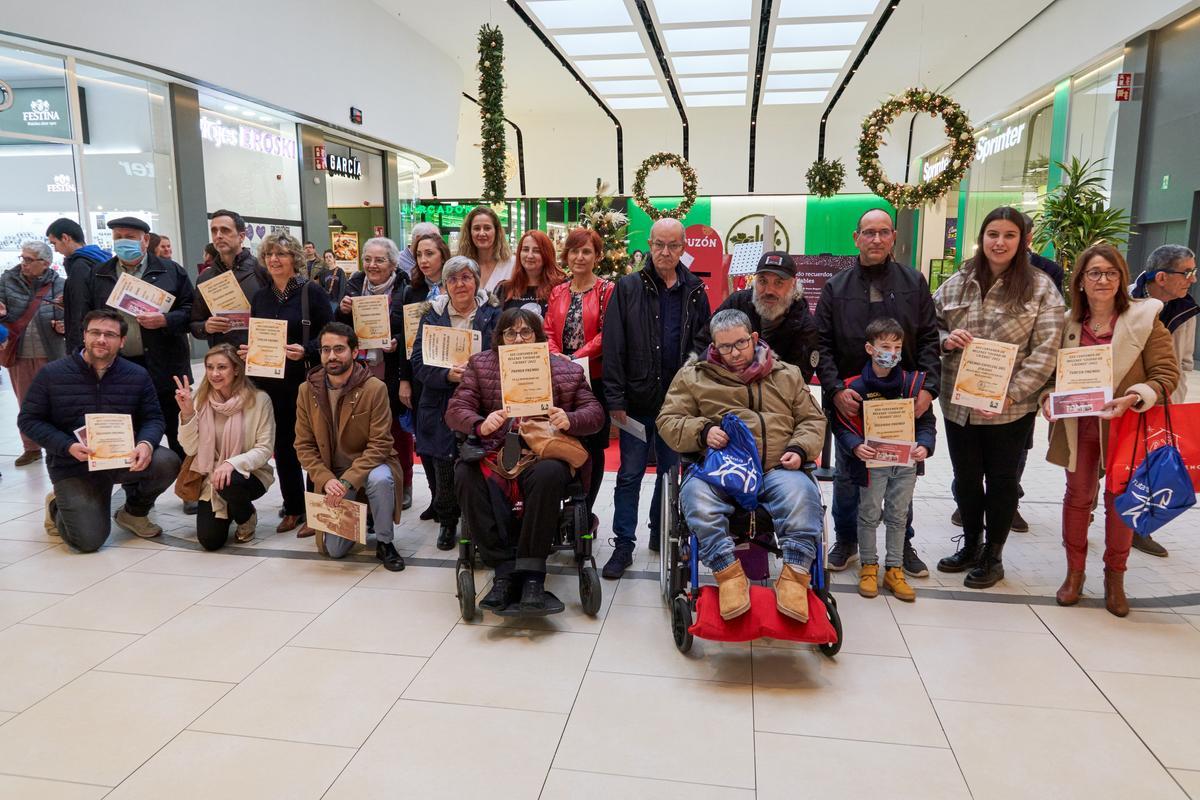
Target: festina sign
(346, 166)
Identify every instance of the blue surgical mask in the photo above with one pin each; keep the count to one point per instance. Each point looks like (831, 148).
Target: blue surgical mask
(885, 359)
(128, 249)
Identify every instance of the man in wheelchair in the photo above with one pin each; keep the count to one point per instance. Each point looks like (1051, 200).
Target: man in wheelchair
(740, 374)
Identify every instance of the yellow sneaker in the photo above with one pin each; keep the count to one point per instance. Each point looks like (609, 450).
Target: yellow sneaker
(894, 582)
(868, 580)
(733, 590)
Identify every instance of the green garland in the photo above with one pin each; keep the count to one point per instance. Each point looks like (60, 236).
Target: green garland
(491, 112)
(690, 185)
(874, 127)
(826, 178)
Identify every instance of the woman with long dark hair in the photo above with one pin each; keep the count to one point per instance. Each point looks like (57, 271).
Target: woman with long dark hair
(535, 275)
(997, 295)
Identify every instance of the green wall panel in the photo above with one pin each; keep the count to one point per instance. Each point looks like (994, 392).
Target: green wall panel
(830, 222)
(640, 222)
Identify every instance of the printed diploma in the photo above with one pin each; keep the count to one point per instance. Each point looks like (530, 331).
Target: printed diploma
(266, 350)
(371, 322)
(110, 437)
(983, 375)
(525, 385)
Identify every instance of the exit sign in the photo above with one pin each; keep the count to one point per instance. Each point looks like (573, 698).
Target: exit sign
(1124, 87)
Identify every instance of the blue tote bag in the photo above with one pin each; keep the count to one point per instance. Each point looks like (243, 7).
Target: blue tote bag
(1160, 489)
(735, 466)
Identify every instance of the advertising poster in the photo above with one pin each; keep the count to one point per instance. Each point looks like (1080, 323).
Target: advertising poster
(345, 250)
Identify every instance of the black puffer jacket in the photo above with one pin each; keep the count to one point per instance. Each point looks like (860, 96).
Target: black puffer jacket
(793, 341)
(251, 276)
(391, 361)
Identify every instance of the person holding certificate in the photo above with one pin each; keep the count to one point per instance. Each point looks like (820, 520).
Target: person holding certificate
(1002, 305)
(228, 231)
(465, 307)
(537, 276)
(97, 383)
(1144, 371)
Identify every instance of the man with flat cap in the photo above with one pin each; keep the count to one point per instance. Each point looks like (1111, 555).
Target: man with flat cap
(156, 341)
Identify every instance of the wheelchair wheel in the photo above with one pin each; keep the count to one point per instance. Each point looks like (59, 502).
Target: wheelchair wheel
(590, 593)
(672, 572)
(465, 578)
(681, 620)
(831, 649)
(319, 538)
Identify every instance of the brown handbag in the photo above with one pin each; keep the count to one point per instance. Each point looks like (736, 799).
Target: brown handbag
(546, 442)
(189, 483)
(8, 351)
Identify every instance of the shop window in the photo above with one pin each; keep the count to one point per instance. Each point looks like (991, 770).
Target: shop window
(1092, 131)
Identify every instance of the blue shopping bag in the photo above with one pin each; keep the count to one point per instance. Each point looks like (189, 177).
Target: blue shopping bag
(1160, 489)
(735, 467)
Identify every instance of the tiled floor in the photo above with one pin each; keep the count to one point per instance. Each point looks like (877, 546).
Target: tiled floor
(152, 670)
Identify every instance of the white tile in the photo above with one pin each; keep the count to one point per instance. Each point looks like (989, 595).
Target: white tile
(505, 668)
(13, 551)
(10, 510)
(16, 606)
(1067, 755)
(115, 723)
(978, 616)
(200, 565)
(210, 643)
(1154, 644)
(1190, 781)
(565, 784)
(129, 602)
(906, 772)
(637, 640)
(63, 571)
(5, 716)
(384, 621)
(38, 789)
(1163, 711)
(284, 584)
(200, 766)
(412, 754)
(637, 592)
(669, 728)
(412, 579)
(317, 696)
(38, 661)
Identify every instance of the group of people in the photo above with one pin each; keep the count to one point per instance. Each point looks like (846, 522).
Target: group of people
(646, 354)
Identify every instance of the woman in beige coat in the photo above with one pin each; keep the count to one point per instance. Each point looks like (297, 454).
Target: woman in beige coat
(1144, 370)
(229, 426)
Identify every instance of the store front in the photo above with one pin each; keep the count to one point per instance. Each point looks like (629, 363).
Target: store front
(449, 216)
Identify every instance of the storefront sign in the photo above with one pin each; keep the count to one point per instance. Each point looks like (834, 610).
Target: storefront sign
(935, 168)
(247, 137)
(986, 147)
(346, 166)
(6, 96)
(62, 183)
(40, 111)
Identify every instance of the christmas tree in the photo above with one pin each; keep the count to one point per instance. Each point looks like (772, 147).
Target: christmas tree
(613, 227)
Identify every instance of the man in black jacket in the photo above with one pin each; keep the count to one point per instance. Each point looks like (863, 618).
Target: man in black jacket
(651, 327)
(96, 381)
(778, 313)
(79, 259)
(228, 232)
(874, 287)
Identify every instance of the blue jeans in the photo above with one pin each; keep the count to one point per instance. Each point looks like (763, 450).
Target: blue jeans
(789, 496)
(845, 502)
(629, 481)
(380, 488)
(888, 495)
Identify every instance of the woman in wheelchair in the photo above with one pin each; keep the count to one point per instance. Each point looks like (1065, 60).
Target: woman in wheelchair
(739, 374)
(486, 496)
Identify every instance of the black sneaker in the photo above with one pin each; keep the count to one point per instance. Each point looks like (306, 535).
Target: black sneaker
(505, 591)
(913, 565)
(654, 542)
(840, 555)
(1019, 524)
(1148, 546)
(392, 560)
(619, 561)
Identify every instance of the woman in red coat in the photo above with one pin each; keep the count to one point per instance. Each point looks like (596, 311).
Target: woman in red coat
(574, 324)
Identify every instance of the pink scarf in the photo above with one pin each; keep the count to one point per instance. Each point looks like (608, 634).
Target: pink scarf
(756, 370)
(231, 437)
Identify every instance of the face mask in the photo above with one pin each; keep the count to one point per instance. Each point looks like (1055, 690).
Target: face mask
(128, 249)
(886, 360)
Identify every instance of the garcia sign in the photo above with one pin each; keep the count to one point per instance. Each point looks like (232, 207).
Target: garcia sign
(346, 166)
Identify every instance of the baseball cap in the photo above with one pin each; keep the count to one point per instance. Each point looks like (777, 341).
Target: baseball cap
(778, 262)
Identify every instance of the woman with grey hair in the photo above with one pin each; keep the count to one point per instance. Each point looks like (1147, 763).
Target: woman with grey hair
(465, 306)
(381, 275)
(31, 309)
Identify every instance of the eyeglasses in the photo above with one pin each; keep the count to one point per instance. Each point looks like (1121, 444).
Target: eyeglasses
(875, 234)
(95, 334)
(1096, 275)
(460, 277)
(518, 334)
(1190, 273)
(740, 344)
(28, 260)
(659, 247)
(336, 350)
(370, 261)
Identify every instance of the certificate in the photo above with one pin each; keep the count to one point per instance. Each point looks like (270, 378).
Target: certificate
(583, 362)
(348, 520)
(448, 347)
(890, 429)
(525, 385)
(110, 437)
(266, 350)
(631, 426)
(1082, 382)
(372, 324)
(412, 322)
(134, 296)
(983, 375)
(890, 453)
(225, 298)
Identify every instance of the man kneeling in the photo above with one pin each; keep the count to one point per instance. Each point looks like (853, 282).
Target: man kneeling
(739, 374)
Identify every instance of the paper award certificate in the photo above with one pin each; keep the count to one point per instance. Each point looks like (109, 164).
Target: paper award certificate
(889, 453)
(225, 298)
(525, 385)
(586, 364)
(448, 347)
(134, 296)
(266, 350)
(412, 321)
(110, 437)
(372, 324)
(889, 427)
(347, 521)
(1083, 381)
(983, 375)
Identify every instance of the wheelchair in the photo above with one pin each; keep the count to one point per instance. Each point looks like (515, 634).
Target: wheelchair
(753, 534)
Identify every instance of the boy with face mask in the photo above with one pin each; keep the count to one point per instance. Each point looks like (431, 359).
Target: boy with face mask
(886, 491)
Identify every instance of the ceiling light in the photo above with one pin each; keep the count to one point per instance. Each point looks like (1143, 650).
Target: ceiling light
(645, 86)
(600, 44)
(803, 80)
(638, 102)
(266, 119)
(557, 14)
(230, 107)
(728, 99)
(719, 83)
(248, 113)
(821, 8)
(675, 11)
(694, 65)
(819, 34)
(684, 40)
(788, 98)
(614, 67)
(814, 60)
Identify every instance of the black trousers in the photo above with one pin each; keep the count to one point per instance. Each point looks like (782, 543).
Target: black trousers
(987, 475)
(487, 514)
(595, 445)
(287, 465)
(239, 497)
(445, 502)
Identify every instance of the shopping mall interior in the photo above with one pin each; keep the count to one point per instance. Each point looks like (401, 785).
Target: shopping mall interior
(160, 666)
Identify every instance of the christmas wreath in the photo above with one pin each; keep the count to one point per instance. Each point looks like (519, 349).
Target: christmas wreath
(689, 185)
(826, 178)
(491, 112)
(874, 127)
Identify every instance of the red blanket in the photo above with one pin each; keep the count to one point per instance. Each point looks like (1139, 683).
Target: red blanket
(762, 620)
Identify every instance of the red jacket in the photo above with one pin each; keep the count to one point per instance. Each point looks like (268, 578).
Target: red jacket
(595, 303)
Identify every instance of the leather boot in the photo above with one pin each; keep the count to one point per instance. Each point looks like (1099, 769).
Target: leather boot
(734, 590)
(989, 571)
(1068, 593)
(791, 593)
(1114, 593)
(967, 556)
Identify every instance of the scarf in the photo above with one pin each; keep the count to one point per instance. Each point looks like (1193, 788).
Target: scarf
(288, 290)
(759, 368)
(231, 438)
(383, 288)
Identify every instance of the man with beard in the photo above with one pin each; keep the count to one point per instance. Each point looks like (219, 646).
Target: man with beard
(778, 313)
(344, 441)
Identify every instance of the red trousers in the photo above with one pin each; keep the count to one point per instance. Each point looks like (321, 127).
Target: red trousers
(1082, 487)
(22, 373)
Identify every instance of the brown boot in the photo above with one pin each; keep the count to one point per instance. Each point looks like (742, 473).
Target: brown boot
(734, 590)
(1114, 593)
(1068, 593)
(791, 593)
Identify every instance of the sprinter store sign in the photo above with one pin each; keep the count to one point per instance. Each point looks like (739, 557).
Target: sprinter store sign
(985, 147)
(247, 137)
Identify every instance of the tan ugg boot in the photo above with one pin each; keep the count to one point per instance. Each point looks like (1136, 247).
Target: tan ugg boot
(734, 589)
(791, 593)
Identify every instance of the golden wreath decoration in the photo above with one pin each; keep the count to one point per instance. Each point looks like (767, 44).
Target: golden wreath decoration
(690, 185)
